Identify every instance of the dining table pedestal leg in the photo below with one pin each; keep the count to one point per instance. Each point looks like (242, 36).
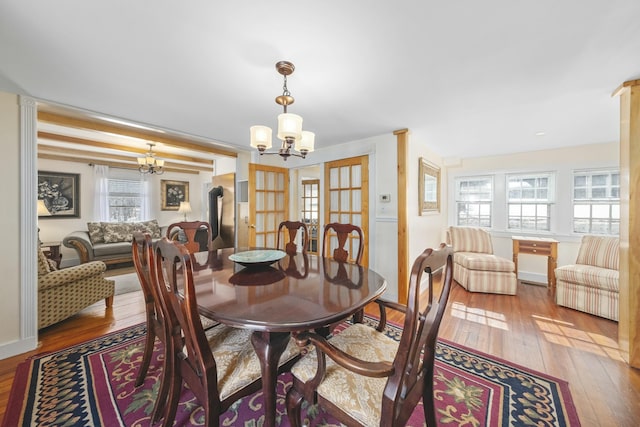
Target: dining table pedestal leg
(269, 346)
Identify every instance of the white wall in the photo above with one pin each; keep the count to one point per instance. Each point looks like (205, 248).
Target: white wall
(560, 161)
(426, 230)
(54, 229)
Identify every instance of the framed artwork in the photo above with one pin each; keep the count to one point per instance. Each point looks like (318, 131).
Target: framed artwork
(428, 187)
(174, 192)
(61, 194)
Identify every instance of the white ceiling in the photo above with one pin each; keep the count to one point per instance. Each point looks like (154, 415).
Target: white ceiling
(467, 77)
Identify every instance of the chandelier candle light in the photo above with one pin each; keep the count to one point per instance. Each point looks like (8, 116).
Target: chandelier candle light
(289, 125)
(149, 164)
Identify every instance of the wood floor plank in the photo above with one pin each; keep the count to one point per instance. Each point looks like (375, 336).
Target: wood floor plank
(527, 329)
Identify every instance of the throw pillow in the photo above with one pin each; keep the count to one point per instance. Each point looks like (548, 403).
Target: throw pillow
(150, 227)
(117, 232)
(95, 232)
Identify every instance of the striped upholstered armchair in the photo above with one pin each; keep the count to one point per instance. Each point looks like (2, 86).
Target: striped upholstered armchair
(475, 267)
(591, 284)
(63, 293)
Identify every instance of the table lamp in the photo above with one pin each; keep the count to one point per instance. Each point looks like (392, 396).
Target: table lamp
(42, 211)
(185, 208)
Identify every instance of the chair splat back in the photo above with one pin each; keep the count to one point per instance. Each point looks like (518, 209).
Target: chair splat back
(345, 234)
(413, 373)
(190, 230)
(291, 229)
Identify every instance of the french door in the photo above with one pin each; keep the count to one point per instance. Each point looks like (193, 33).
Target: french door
(347, 200)
(268, 203)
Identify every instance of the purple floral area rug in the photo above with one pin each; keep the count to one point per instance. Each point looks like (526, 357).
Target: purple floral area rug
(92, 384)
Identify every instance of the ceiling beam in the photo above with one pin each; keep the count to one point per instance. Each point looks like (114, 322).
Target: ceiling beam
(121, 165)
(127, 131)
(110, 146)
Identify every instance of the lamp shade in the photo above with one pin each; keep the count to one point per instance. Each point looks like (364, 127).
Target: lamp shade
(289, 126)
(42, 209)
(185, 207)
(306, 143)
(261, 137)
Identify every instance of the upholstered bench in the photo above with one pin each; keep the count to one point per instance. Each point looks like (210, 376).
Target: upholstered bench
(592, 283)
(475, 267)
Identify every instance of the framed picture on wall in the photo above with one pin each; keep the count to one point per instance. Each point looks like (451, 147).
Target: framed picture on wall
(173, 192)
(61, 194)
(429, 187)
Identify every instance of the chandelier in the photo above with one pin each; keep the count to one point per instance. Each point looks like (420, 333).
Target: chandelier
(289, 125)
(149, 164)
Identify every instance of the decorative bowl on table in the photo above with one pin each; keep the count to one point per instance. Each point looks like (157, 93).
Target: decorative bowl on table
(257, 257)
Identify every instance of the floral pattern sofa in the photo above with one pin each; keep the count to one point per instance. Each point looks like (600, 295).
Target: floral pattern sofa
(591, 284)
(63, 293)
(110, 242)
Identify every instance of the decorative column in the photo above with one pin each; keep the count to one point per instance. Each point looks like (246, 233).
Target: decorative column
(29, 222)
(629, 321)
(403, 220)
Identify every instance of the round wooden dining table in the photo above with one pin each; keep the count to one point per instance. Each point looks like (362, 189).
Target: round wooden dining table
(296, 293)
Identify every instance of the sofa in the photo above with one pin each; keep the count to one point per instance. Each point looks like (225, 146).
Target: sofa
(591, 284)
(63, 293)
(475, 267)
(109, 242)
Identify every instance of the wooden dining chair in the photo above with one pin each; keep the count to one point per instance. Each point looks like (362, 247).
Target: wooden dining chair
(143, 261)
(218, 365)
(287, 231)
(341, 238)
(362, 376)
(145, 266)
(190, 234)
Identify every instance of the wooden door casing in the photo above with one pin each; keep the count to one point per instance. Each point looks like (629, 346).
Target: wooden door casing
(268, 203)
(346, 194)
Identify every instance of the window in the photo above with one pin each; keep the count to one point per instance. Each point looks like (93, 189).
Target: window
(474, 199)
(310, 208)
(125, 200)
(596, 202)
(529, 200)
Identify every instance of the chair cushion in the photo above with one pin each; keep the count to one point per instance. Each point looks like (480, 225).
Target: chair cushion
(590, 276)
(357, 395)
(470, 239)
(599, 251)
(236, 362)
(483, 262)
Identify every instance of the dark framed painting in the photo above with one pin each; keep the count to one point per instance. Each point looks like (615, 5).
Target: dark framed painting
(173, 192)
(61, 194)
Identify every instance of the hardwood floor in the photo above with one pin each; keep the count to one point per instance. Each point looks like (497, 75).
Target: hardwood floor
(528, 329)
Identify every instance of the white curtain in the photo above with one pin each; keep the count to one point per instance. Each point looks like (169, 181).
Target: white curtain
(101, 199)
(145, 205)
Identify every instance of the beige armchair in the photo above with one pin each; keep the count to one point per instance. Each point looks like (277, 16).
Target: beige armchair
(475, 267)
(63, 293)
(592, 283)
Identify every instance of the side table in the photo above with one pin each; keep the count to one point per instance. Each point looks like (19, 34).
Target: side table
(52, 251)
(538, 246)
